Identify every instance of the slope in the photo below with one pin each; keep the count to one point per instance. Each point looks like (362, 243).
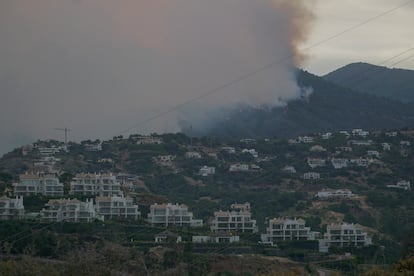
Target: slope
(396, 84)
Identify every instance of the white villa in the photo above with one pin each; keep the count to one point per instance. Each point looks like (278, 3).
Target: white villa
(69, 210)
(168, 214)
(344, 235)
(403, 184)
(239, 218)
(11, 208)
(115, 207)
(206, 171)
(330, 193)
(316, 162)
(339, 163)
(95, 184)
(40, 183)
(311, 175)
(282, 229)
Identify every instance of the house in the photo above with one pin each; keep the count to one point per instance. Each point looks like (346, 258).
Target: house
(116, 207)
(289, 169)
(373, 153)
(218, 237)
(248, 141)
(239, 168)
(167, 214)
(344, 235)
(386, 146)
(238, 218)
(40, 183)
(360, 142)
(317, 148)
(330, 193)
(45, 151)
(148, 140)
(283, 229)
(95, 184)
(326, 135)
(403, 184)
(391, 134)
(192, 155)
(345, 149)
(11, 208)
(306, 139)
(360, 132)
(206, 171)
(315, 162)
(230, 150)
(339, 163)
(311, 175)
(164, 160)
(344, 132)
(252, 152)
(167, 236)
(69, 210)
(404, 144)
(360, 162)
(93, 147)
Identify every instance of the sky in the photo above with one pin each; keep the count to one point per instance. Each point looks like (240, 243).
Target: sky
(100, 67)
(373, 42)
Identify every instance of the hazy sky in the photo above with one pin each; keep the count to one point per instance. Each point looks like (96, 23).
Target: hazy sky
(102, 66)
(374, 42)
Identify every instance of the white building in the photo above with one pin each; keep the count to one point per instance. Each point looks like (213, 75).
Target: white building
(373, 153)
(44, 151)
(330, 193)
(311, 175)
(405, 144)
(95, 184)
(252, 152)
(289, 169)
(403, 184)
(306, 139)
(344, 235)
(165, 160)
(93, 147)
(230, 150)
(116, 207)
(193, 155)
(239, 168)
(46, 184)
(149, 140)
(317, 148)
(206, 171)
(11, 208)
(360, 132)
(287, 229)
(219, 237)
(326, 135)
(360, 142)
(386, 146)
(69, 210)
(316, 162)
(239, 218)
(360, 162)
(339, 163)
(391, 134)
(167, 236)
(165, 215)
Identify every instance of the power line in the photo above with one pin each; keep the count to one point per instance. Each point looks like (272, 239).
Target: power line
(263, 68)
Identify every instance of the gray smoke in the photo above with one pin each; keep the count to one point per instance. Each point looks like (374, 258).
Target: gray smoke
(102, 66)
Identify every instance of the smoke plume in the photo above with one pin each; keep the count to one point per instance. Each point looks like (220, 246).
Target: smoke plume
(102, 66)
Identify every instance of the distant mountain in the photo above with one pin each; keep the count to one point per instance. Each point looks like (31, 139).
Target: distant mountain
(329, 108)
(396, 84)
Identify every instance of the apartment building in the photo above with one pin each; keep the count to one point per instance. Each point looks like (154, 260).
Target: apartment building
(69, 210)
(287, 229)
(238, 218)
(11, 208)
(116, 207)
(344, 235)
(40, 183)
(168, 214)
(95, 184)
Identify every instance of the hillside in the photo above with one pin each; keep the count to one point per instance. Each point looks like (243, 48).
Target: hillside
(391, 83)
(329, 108)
